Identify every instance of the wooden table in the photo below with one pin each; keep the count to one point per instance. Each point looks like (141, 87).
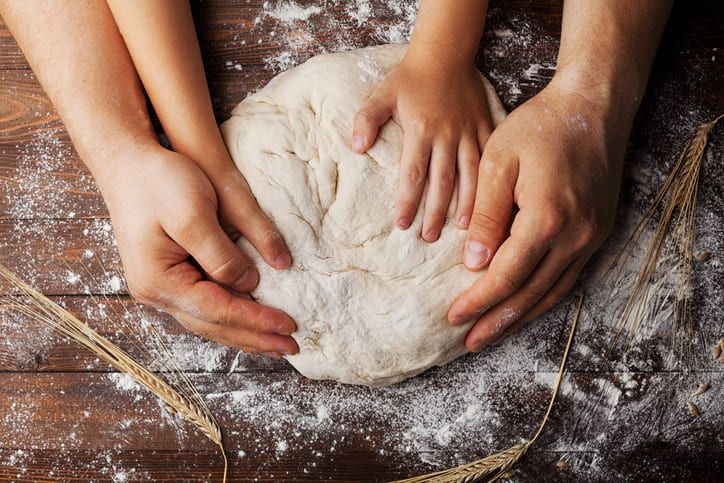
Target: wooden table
(66, 416)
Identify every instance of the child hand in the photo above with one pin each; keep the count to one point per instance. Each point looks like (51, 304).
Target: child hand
(444, 115)
(547, 193)
(164, 210)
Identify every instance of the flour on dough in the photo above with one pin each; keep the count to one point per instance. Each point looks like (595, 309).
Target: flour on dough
(369, 300)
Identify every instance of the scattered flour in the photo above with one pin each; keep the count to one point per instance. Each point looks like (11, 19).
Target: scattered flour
(290, 11)
(449, 414)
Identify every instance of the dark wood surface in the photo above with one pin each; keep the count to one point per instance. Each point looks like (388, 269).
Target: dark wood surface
(64, 415)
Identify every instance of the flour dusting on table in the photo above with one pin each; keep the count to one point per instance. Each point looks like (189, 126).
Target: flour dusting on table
(449, 415)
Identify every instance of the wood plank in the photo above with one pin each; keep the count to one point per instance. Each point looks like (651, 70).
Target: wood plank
(196, 466)
(410, 428)
(24, 108)
(61, 257)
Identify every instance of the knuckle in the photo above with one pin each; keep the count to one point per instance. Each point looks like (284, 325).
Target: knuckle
(423, 126)
(552, 222)
(226, 268)
(446, 180)
(365, 115)
(184, 225)
(554, 297)
(533, 295)
(447, 133)
(586, 235)
(226, 313)
(271, 239)
(484, 223)
(203, 331)
(491, 167)
(415, 175)
(505, 284)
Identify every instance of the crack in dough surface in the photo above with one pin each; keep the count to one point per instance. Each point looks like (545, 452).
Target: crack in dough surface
(369, 300)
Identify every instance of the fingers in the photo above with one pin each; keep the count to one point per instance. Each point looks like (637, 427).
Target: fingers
(516, 259)
(493, 208)
(555, 294)
(201, 235)
(413, 171)
(273, 345)
(467, 163)
(373, 114)
(441, 182)
(212, 303)
(496, 321)
(181, 290)
(251, 221)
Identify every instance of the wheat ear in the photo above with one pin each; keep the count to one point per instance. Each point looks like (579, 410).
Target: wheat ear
(40, 308)
(677, 200)
(493, 467)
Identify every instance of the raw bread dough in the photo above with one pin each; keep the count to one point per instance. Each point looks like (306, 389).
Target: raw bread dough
(369, 300)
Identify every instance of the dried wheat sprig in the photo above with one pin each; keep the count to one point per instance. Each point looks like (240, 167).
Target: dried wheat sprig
(493, 467)
(39, 307)
(677, 199)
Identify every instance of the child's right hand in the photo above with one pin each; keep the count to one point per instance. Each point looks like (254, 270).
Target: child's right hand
(164, 211)
(444, 114)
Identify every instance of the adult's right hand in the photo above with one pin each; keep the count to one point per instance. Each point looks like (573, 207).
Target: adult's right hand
(165, 216)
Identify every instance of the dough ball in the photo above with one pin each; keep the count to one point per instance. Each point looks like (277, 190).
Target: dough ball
(369, 299)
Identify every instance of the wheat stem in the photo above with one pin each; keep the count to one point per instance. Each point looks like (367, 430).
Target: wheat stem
(40, 308)
(494, 466)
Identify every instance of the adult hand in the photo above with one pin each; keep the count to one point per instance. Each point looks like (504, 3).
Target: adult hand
(444, 114)
(164, 211)
(547, 192)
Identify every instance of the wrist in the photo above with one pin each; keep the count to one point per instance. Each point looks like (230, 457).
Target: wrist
(210, 154)
(432, 56)
(113, 164)
(612, 92)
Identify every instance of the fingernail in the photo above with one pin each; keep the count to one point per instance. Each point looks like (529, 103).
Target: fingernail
(431, 235)
(457, 319)
(403, 223)
(247, 280)
(273, 355)
(477, 347)
(475, 254)
(286, 329)
(282, 261)
(464, 221)
(358, 143)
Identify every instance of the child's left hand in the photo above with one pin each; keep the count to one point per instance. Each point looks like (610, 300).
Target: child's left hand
(444, 114)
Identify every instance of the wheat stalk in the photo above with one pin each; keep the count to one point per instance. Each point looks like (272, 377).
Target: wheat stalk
(495, 466)
(40, 308)
(677, 200)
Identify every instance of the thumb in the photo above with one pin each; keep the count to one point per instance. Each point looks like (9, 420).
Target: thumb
(373, 114)
(492, 212)
(219, 257)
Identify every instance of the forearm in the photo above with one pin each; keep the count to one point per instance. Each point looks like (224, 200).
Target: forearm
(78, 56)
(607, 46)
(161, 39)
(448, 31)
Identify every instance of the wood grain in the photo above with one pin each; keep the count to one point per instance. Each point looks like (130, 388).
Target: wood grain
(99, 417)
(64, 417)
